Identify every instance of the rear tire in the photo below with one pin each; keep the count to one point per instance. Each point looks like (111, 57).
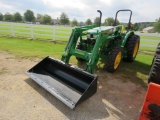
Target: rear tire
(154, 75)
(114, 59)
(132, 46)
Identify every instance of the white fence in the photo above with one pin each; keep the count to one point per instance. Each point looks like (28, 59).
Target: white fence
(35, 31)
(149, 34)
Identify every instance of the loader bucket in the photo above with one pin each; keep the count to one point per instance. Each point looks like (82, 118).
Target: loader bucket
(68, 84)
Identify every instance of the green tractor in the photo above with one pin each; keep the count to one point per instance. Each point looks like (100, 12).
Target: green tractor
(89, 43)
(109, 42)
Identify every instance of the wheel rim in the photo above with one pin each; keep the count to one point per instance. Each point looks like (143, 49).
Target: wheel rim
(117, 60)
(135, 49)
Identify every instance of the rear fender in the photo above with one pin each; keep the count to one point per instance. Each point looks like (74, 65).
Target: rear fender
(128, 34)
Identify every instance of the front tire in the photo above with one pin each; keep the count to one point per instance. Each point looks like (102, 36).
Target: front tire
(114, 59)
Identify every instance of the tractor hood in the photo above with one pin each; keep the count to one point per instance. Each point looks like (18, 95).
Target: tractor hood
(103, 29)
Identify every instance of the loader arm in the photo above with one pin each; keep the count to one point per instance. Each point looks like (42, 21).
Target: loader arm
(92, 56)
(70, 47)
(95, 54)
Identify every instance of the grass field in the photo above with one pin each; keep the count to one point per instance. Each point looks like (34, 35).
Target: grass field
(149, 43)
(33, 48)
(30, 48)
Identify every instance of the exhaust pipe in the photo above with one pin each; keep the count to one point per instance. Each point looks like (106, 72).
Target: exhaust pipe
(100, 17)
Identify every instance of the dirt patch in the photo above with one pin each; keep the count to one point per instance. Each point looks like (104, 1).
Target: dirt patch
(22, 98)
(3, 71)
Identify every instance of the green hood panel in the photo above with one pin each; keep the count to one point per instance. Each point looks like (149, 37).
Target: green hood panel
(102, 29)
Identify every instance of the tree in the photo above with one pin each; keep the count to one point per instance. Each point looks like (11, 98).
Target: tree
(1, 16)
(110, 21)
(81, 23)
(64, 19)
(136, 27)
(39, 18)
(96, 21)
(8, 17)
(142, 26)
(74, 22)
(29, 16)
(157, 26)
(88, 22)
(47, 19)
(17, 17)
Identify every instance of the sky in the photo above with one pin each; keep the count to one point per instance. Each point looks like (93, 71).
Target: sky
(143, 10)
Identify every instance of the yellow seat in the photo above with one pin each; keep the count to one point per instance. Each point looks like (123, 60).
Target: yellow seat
(123, 28)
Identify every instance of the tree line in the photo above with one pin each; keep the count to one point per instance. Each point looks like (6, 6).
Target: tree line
(47, 19)
(29, 16)
(157, 25)
(141, 25)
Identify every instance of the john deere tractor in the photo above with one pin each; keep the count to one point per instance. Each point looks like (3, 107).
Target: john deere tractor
(89, 43)
(109, 42)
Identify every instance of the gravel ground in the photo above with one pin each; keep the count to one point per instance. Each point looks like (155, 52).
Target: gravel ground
(21, 98)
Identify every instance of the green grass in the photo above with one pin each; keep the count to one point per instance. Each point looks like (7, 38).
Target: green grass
(145, 48)
(31, 48)
(35, 48)
(149, 43)
(150, 38)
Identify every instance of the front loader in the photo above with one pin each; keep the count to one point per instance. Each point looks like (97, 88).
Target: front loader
(88, 44)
